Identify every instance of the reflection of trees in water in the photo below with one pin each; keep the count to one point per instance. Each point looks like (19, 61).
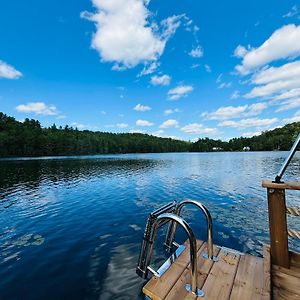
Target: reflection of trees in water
(32, 172)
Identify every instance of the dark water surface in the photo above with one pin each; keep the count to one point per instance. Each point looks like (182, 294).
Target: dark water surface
(71, 228)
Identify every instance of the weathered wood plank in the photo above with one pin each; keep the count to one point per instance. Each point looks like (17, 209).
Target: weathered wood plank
(285, 281)
(266, 295)
(204, 266)
(294, 260)
(285, 185)
(278, 227)
(248, 282)
(279, 294)
(219, 282)
(158, 288)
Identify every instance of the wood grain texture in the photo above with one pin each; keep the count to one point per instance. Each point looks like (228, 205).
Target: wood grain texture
(278, 227)
(204, 266)
(219, 282)
(248, 282)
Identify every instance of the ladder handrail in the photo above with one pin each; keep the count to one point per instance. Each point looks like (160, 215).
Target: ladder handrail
(193, 246)
(172, 228)
(287, 160)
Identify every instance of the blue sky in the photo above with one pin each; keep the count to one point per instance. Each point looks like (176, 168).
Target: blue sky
(189, 69)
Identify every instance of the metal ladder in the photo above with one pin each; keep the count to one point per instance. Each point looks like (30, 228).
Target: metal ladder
(170, 214)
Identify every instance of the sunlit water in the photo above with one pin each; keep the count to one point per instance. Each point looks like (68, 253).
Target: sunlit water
(71, 228)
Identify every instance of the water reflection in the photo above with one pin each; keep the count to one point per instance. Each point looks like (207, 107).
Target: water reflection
(72, 227)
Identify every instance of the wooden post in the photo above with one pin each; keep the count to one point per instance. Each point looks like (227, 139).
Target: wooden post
(278, 227)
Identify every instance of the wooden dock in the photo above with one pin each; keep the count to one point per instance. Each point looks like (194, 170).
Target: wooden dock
(235, 276)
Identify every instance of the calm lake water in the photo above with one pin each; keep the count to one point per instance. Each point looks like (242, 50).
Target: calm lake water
(71, 227)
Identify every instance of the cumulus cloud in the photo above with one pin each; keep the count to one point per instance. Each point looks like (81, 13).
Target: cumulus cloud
(144, 123)
(39, 108)
(180, 91)
(140, 107)
(282, 44)
(230, 112)
(196, 52)
(171, 111)
(196, 128)
(9, 72)
(124, 34)
(161, 80)
(169, 123)
(251, 122)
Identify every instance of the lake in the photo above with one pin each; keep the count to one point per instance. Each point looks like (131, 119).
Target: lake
(71, 227)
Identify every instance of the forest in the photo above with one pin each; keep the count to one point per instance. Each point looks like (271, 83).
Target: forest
(29, 138)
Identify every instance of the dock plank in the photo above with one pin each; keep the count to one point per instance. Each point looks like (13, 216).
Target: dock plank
(248, 282)
(219, 282)
(158, 288)
(204, 266)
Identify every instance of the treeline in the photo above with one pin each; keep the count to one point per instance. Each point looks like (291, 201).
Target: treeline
(28, 138)
(280, 139)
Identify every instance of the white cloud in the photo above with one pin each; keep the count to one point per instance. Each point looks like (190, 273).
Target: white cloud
(281, 44)
(225, 85)
(39, 108)
(158, 133)
(289, 104)
(295, 118)
(196, 52)
(143, 123)
(195, 128)
(149, 69)
(230, 112)
(289, 94)
(171, 111)
(273, 88)
(140, 107)
(122, 125)
(235, 95)
(102, 112)
(137, 131)
(9, 72)
(207, 68)
(169, 123)
(180, 91)
(195, 66)
(161, 80)
(251, 134)
(240, 51)
(219, 78)
(225, 112)
(286, 72)
(293, 12)
(251, 122)
(124, 34)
